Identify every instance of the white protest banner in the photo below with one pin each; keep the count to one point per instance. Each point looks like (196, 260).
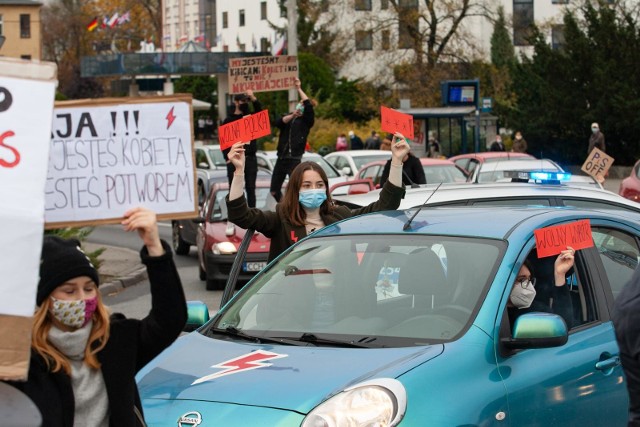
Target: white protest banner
(262, 73)
(27, 91)
(109, 155)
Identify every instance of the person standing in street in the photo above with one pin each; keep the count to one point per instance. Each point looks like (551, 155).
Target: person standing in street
(497, 145)
(294, 130)
(356, 142)
(341, 142)
(241, 102)
(519, 144)
(373, 142)
(626, 323)
(596, 139)
(83, 358)
(433, 148)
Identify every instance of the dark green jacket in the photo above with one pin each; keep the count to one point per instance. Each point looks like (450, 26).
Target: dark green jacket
(277, 227)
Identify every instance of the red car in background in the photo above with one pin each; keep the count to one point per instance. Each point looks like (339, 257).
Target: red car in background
(470, 161)
(630, 186)
(217, 245)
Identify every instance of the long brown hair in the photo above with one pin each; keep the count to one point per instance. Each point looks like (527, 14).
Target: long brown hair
(290, 204)
(54, 359)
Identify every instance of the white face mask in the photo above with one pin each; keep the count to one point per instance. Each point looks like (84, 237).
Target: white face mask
(522, 295)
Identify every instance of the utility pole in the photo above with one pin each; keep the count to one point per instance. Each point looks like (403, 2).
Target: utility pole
(292, 44)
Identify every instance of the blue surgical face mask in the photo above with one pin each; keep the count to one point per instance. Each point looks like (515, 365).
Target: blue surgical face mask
(312, 199)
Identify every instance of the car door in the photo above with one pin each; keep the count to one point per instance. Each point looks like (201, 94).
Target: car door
(579, 383)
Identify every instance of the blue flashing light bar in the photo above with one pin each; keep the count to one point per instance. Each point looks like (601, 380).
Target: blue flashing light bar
(549, 176)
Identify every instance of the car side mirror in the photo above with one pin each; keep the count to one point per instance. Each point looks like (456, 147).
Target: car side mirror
(346, 171)
(197, 315)
(537, 330)
(203, 165)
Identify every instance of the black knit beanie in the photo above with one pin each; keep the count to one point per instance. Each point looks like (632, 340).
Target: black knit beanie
(60, 261)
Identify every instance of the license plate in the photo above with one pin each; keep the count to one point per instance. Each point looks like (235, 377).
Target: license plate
(253, 266)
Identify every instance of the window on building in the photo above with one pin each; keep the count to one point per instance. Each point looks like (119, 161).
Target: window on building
(363, 4)
(25, 26)
(264, 44)
(386, 39)
(27, 57)
(557, 37)
(263, 10)
(241, 17)
(559, 1)
(225, 20)
(242, 47)
(1, 25)
(384, 4)
(364, 40)
(522, 21)
(408, 18)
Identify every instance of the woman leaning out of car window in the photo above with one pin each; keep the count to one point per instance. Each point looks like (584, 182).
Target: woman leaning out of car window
(307, 204)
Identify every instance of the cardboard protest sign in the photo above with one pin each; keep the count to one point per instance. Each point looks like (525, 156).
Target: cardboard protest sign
(262, 73)
(27, 91)
(246, 129)
(553, 240)
(597, 164)
(113, 154)
(393, 121)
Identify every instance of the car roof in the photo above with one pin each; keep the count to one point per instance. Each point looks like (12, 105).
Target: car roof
(516, 222)
(453, 192)
(490, 154)
(432, 161)
(489, 222)
(359, 153)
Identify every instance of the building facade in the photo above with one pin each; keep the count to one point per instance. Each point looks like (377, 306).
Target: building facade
(20, 29)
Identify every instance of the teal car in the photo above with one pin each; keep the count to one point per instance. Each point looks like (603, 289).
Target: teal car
(402, 318)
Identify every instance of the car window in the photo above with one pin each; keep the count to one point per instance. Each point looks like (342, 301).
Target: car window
(217, 157)
(264, 201)
(598, 204)
(463, 163)
(201, 159)
(446, 173)
(512, 201)
(363, 160)
(473, 164)
(574, 301)
(395, 290)
(619, 253)
(325, 165)
(340, 162)
(263, 163)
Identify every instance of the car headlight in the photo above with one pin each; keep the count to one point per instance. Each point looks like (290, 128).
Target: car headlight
(223, 248)
(379, 402)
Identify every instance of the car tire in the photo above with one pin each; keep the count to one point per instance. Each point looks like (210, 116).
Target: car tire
(215, 285)
(201, 273)
(180, 247)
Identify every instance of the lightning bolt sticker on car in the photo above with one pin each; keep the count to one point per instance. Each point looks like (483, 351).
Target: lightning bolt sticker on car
(246, 362)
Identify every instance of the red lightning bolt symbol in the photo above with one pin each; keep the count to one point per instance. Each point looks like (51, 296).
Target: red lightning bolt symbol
(246, 362)
(170, 117)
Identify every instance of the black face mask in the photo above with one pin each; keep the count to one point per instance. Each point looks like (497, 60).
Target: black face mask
(244, 108)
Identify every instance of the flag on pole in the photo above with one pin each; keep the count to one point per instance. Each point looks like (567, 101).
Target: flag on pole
(125, 17)
(93, 24)
(278, 47)
(113, 21)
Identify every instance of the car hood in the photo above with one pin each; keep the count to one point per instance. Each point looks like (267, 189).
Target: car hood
(293, 378)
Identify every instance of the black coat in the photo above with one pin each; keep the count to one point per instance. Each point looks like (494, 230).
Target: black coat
(626, 321)
(293, 135)
(132, 344)
(412, 172)
(278, 228)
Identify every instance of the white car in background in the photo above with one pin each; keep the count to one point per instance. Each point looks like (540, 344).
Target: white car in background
(495, 171)
(552, 192)
(349, 162)
(267, 161)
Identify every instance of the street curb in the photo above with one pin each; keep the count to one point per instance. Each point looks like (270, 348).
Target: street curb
(120, 283)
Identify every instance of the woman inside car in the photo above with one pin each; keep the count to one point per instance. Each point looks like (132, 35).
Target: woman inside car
(306, 206)
(524, 297)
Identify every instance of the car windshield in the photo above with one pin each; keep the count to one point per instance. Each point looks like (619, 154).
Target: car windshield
(443, 173)
(391, 290)
(363, 160)
(264, 201)
(216, 155)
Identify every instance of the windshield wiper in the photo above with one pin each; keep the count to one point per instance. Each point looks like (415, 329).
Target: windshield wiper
(235, 332)
(361, 343)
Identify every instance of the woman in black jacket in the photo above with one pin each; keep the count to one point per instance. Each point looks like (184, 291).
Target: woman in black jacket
(412, 171)
(84, 361)
(306, 206)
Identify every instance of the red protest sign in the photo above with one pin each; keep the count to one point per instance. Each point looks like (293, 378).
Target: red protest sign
(393, 121)
(247, 128)
(552, 240)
